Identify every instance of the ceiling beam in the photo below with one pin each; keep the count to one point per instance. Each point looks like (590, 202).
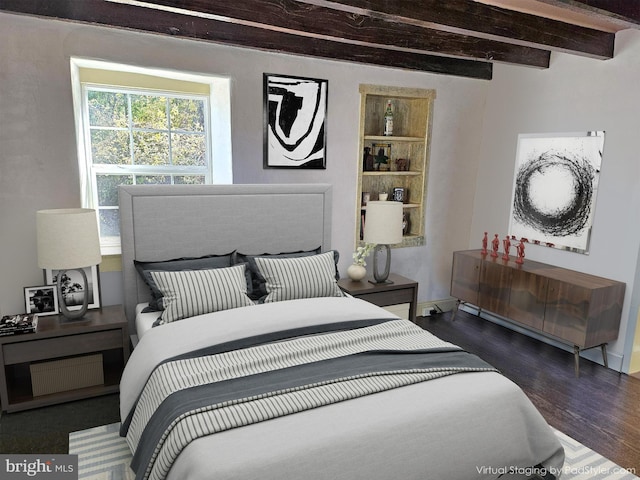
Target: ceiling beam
(320, 22)
(212, 29)
(625, 13)
(468, 17)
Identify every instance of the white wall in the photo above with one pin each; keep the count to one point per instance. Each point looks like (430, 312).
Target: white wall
(574, 94)
(38, 166)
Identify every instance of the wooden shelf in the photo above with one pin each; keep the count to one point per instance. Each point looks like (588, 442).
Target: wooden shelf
(413, 108)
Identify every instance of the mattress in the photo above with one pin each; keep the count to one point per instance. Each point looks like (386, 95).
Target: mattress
(466, 426)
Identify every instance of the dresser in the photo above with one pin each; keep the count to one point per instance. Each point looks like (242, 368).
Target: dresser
(571, 307)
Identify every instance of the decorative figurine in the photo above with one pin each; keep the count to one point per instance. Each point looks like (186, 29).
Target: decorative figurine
(520, 250)
(507, 245)
(368, 160)
(485, 242)
(495, 244)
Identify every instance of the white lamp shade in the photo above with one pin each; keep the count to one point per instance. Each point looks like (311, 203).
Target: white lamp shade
(383, 223)
(67, 238)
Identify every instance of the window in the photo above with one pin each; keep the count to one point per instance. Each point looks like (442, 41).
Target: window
(137, 126)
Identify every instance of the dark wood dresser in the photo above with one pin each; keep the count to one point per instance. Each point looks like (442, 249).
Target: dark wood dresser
(574, 308)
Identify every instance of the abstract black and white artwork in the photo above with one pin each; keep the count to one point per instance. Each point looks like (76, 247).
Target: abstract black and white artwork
(555, 188)
(295, 112)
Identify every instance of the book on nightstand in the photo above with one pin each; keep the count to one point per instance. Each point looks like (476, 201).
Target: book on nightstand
(16, 324)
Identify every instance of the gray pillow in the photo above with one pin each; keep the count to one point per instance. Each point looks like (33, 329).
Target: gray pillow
(300, 277)
(188, 293)
(178, 264)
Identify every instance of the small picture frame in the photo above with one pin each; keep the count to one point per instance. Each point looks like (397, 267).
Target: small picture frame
(381, 156)
(72, 290)
(41, 300)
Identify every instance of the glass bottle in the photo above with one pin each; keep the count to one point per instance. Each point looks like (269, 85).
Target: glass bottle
(388, 120)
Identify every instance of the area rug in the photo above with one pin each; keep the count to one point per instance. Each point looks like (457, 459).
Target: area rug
(104, 455)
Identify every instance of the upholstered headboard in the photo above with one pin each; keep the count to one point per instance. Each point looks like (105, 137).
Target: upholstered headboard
(164, 222)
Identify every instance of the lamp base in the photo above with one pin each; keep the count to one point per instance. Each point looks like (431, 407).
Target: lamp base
(73, 314)
(381, 277)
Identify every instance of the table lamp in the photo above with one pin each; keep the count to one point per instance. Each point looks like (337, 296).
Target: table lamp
(383, 227)
(68, 240)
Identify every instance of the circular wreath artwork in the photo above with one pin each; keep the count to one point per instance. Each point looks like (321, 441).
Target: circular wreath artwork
(568, 211)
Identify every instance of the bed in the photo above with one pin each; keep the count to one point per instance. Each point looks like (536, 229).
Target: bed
(299, 382)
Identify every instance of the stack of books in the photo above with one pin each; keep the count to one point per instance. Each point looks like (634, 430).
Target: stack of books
(15, 324)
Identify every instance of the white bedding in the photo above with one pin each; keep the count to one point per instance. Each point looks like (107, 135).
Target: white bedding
(465, 426)
(144, 320)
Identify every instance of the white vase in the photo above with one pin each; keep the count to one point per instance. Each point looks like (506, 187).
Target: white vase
(356, 272)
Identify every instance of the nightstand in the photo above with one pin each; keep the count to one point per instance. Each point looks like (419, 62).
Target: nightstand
(402, 290)
(64, 359)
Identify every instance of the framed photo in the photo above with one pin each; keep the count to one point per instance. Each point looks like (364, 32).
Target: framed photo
(381, 156)
(555, 187)
(72, 289)
(41, 300)
(295, 115)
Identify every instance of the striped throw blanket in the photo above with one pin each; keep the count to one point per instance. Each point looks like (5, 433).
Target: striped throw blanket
(225, 387)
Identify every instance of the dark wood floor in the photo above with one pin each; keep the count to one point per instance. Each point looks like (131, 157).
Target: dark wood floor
(600, 409)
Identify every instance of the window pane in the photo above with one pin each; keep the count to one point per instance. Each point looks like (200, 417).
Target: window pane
(187, 114)
(188, 179)
(150, 148)
(109, 222)
(107, 109)
(108, 188)
(110, 146)
(152, 179)
(188, 149)
(149, 111)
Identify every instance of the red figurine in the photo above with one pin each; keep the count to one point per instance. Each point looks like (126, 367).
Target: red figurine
(495, 244)
(507, 245)
(520, 250)
(485, 242)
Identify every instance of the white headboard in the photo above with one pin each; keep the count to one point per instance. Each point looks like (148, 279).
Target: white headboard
(164, 222)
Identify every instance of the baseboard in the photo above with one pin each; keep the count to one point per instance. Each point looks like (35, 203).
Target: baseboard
(595, 355)
(445, 305)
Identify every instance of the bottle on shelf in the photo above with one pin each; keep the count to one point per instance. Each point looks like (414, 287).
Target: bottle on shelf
(388, 120)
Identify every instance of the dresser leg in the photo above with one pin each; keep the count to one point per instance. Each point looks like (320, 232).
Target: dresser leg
(604, 355)
(576, 359)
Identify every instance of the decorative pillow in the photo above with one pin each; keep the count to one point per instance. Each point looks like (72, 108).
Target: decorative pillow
(301, 277)
(257, 286)
(199, 263)
(193, 292)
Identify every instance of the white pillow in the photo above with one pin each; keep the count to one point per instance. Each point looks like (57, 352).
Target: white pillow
(193, 292)
(301, 277)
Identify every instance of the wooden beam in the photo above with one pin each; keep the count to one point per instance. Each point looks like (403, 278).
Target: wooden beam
(468, 17)
(121, 15)
(625, 13)
(320, 22)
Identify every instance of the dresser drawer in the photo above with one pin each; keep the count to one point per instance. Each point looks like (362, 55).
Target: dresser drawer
(47, 348)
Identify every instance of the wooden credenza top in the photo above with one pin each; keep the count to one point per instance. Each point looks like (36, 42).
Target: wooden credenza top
(585, 280)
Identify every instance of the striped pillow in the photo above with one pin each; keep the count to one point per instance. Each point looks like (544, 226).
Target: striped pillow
(302, 277)
(193, 292)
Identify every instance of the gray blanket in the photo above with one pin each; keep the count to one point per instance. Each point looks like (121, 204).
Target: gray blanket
(196, 395)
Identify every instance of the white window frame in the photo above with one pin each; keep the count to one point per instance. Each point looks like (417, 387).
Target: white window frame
(218, 124)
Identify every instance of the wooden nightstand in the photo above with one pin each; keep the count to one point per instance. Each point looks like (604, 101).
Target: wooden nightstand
(64, 359)
(402, 290)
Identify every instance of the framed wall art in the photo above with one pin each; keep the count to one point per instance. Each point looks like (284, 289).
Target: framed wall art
(295, 115)
(41, 300)
(555, 188)
(72, 288)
